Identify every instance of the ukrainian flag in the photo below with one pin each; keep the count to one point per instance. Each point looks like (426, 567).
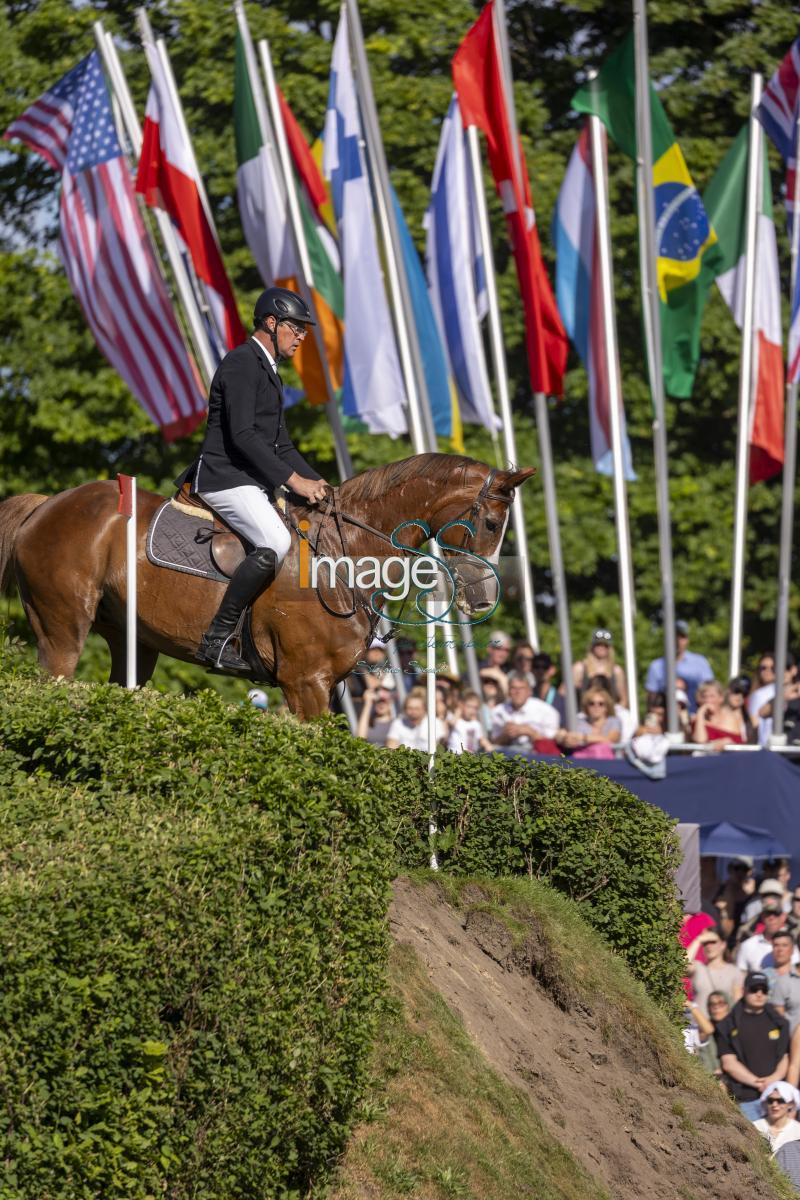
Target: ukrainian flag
(688, 254)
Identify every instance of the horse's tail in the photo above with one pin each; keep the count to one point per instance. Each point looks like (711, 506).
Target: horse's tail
(13, 515)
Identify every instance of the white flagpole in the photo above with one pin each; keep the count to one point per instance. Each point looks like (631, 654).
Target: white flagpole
(278, 131)
(430, 690)
(754, 200)
(186, 294)
(648, 252)
(130, 592)
(542, 415)
(627, 597)
(501, 382)
(789, 473)
(159, 50)
(423, 435)
(270, 134)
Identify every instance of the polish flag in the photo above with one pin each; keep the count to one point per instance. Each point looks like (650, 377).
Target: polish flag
(168, 179)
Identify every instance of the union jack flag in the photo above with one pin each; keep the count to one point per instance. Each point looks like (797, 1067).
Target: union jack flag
(779, 113)
(105, 249)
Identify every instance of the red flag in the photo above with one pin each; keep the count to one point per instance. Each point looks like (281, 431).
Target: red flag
(168, 179)
(303, 159)
(126, 484)
(478, 80)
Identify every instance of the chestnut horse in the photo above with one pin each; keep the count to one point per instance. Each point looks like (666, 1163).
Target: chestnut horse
(66, 554)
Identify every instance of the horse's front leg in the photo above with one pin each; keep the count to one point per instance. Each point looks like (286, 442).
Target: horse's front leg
(308, 698)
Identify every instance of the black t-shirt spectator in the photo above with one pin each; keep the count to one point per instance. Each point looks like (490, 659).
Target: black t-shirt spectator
(757, 1039)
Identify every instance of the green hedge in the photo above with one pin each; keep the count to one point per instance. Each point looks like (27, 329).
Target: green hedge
(193, 943)
(192, 925)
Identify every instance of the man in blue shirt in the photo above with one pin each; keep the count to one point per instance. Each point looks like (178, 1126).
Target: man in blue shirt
(690, 668)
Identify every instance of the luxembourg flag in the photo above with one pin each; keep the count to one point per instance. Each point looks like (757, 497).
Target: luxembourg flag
(580, 300)
(168, 179)
(373, 388)
(451, 266)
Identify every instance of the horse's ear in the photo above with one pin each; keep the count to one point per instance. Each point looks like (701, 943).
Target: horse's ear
(508, 480)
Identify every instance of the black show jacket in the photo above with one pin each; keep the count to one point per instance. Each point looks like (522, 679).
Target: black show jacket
(246, 439)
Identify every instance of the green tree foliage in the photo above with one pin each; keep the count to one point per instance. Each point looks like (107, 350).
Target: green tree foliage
(67, 417)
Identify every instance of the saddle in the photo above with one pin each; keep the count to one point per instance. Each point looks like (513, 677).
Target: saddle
(226, 548)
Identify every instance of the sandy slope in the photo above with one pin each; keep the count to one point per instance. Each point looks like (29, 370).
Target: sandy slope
(597, 1083)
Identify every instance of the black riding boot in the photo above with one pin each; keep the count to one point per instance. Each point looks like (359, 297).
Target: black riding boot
(251, 577)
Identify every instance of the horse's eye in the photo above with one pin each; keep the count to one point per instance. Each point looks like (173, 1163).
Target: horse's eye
(492, 526)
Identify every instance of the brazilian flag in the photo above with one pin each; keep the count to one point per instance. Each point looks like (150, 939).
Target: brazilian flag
(688, 254)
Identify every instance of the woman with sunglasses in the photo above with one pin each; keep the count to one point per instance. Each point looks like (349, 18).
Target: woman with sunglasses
(377, 713)
(779, 1124)
(597, 728)
(712, 973)
(599, 660)
(722, 718)
(246, 454)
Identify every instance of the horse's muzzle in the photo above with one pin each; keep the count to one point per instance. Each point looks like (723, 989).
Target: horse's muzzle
(477, 590)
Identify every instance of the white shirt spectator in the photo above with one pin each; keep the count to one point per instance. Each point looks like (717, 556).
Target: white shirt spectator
(538, 713)
(785, 992)
(757, 700)
(465, 735)
(415, 737)
(755, 954)
(627, 724)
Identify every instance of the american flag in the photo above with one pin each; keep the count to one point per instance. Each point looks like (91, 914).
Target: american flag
(779, 113)
(109, 261)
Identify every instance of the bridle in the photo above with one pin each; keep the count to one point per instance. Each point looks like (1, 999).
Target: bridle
(331, 509)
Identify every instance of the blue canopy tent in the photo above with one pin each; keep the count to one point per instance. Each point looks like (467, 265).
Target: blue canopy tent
(746, 788)
(723, 839)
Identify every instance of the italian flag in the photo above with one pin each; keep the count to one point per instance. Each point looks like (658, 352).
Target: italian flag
(725, 201)
(265, 220)
(168, 179)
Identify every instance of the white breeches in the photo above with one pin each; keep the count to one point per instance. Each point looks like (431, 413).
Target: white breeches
(247, 510)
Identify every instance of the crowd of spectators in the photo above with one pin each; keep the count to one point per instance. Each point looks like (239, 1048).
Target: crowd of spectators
(521, 706)
(743, 996)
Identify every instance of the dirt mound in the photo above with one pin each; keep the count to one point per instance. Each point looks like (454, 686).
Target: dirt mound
(597, 1078)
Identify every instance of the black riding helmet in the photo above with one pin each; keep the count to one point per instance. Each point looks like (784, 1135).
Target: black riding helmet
(282, 304)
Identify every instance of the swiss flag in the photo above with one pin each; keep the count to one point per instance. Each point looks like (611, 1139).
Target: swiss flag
(168, 179)
(478, 80)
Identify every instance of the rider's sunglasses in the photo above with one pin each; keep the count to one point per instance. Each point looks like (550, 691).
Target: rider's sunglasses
(298, 330)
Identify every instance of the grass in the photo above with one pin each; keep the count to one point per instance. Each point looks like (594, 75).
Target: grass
(449, 1125)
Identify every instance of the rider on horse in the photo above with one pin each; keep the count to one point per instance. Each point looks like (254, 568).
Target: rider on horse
(246, 454)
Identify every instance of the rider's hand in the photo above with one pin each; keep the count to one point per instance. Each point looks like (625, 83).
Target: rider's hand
(313, 490)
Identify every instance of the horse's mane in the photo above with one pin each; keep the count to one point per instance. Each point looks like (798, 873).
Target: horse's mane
(374, 483)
